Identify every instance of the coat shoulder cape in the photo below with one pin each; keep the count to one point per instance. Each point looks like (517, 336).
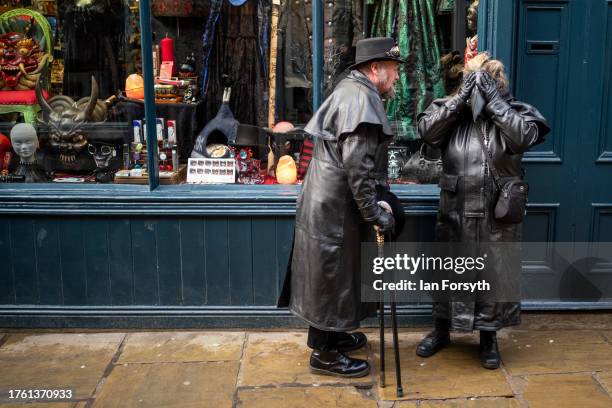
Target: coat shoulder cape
(354, 101)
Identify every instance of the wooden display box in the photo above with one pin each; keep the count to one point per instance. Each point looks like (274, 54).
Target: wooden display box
(165, 178)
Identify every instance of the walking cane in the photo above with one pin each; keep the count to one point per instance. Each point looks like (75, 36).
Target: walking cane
(380, 242)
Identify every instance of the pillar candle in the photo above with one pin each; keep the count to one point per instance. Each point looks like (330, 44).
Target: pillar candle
(167, 49)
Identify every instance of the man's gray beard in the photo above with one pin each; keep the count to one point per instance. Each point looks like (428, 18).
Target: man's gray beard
(382, 79)
(390, 94)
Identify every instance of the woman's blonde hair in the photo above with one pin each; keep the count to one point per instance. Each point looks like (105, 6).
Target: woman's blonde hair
(483, 62)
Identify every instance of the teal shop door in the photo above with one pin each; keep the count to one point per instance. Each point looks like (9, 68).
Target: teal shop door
(564, 68)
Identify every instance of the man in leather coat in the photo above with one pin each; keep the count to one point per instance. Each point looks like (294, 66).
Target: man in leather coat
(338, 207)
(468, 193)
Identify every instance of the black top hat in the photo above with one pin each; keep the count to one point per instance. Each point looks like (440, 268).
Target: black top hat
(376, 49)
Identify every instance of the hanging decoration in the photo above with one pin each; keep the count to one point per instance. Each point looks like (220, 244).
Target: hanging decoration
(412, 23)
(235, 55)
(208, 40)
(178, 8)
(471, 43)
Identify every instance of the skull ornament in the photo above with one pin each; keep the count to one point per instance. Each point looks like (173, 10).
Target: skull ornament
(102, 154)
(66, 120)
(21, 61)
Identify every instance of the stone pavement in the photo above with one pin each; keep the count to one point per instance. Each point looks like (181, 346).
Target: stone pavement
(552, 360)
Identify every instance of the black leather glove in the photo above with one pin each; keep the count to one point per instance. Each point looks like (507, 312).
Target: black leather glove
(385, 222)
(465, 90)
(488, 86)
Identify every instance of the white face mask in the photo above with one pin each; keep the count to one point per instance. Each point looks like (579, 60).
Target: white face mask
(24, 141)
(25, 147)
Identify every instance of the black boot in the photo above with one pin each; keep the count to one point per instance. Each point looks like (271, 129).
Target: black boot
(337, 364)
(436, 340)
(489, 353)
(350, 341)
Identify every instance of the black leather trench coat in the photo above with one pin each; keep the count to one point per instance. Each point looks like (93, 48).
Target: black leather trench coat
(467, 191)
(336, 206)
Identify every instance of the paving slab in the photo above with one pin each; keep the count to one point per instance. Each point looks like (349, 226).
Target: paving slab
(168, 385)
(304, 397)
(564, 391)
(605, 379)
(573, 337)
(398, 404)
(57, 361)
(472, 403)
(566, 321)
(547, 352)
(274, 358)
(40, 405)
(454, 372)
(154, 347)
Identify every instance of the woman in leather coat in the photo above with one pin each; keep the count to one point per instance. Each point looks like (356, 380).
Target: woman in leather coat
(468, 193)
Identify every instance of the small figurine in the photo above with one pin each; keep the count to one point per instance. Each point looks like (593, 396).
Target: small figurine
(5, 153)
(396, 163)
(188, 68)
(102, 154)
(25, 143)
(190, 94)
(471, 43)
(248, 168)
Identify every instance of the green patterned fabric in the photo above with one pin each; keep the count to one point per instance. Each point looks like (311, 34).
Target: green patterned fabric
(412, 23)
(446, 6)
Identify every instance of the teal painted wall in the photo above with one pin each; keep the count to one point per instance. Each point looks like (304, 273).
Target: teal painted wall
(180, 256)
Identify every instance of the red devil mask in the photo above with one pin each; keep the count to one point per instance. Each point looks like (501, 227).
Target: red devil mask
(21, 61)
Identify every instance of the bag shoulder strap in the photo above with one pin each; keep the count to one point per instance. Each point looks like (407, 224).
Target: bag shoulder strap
(489, 157)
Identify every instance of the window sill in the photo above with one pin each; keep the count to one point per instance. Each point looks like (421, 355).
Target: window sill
(184, 199)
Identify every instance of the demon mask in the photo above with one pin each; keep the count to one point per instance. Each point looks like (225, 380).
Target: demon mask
(67, 121)
(21, 61)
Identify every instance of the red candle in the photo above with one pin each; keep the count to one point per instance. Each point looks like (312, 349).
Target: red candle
(167, 49)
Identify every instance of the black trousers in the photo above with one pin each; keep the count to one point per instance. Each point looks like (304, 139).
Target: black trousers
(326, 340)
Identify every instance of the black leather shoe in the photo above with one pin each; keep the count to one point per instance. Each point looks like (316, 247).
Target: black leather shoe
(350, 341)
(337, 364)
(489, 353)
(432, 343)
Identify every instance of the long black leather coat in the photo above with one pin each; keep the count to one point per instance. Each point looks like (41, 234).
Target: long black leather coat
(467, 191)
(335, 207)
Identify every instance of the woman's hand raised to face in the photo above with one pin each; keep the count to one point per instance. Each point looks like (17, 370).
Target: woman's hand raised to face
(487, 85)
(466, 87)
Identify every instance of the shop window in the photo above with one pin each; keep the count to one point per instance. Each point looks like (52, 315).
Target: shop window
(253, 99)
(63, 65)
(431, 35)
(233, 85)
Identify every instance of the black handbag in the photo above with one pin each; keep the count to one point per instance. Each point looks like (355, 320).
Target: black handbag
(511, 205)
(421, 168)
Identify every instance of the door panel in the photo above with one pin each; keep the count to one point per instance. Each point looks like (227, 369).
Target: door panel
(542, 75)
(543, 62)
(564, 68)
(594, 173)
